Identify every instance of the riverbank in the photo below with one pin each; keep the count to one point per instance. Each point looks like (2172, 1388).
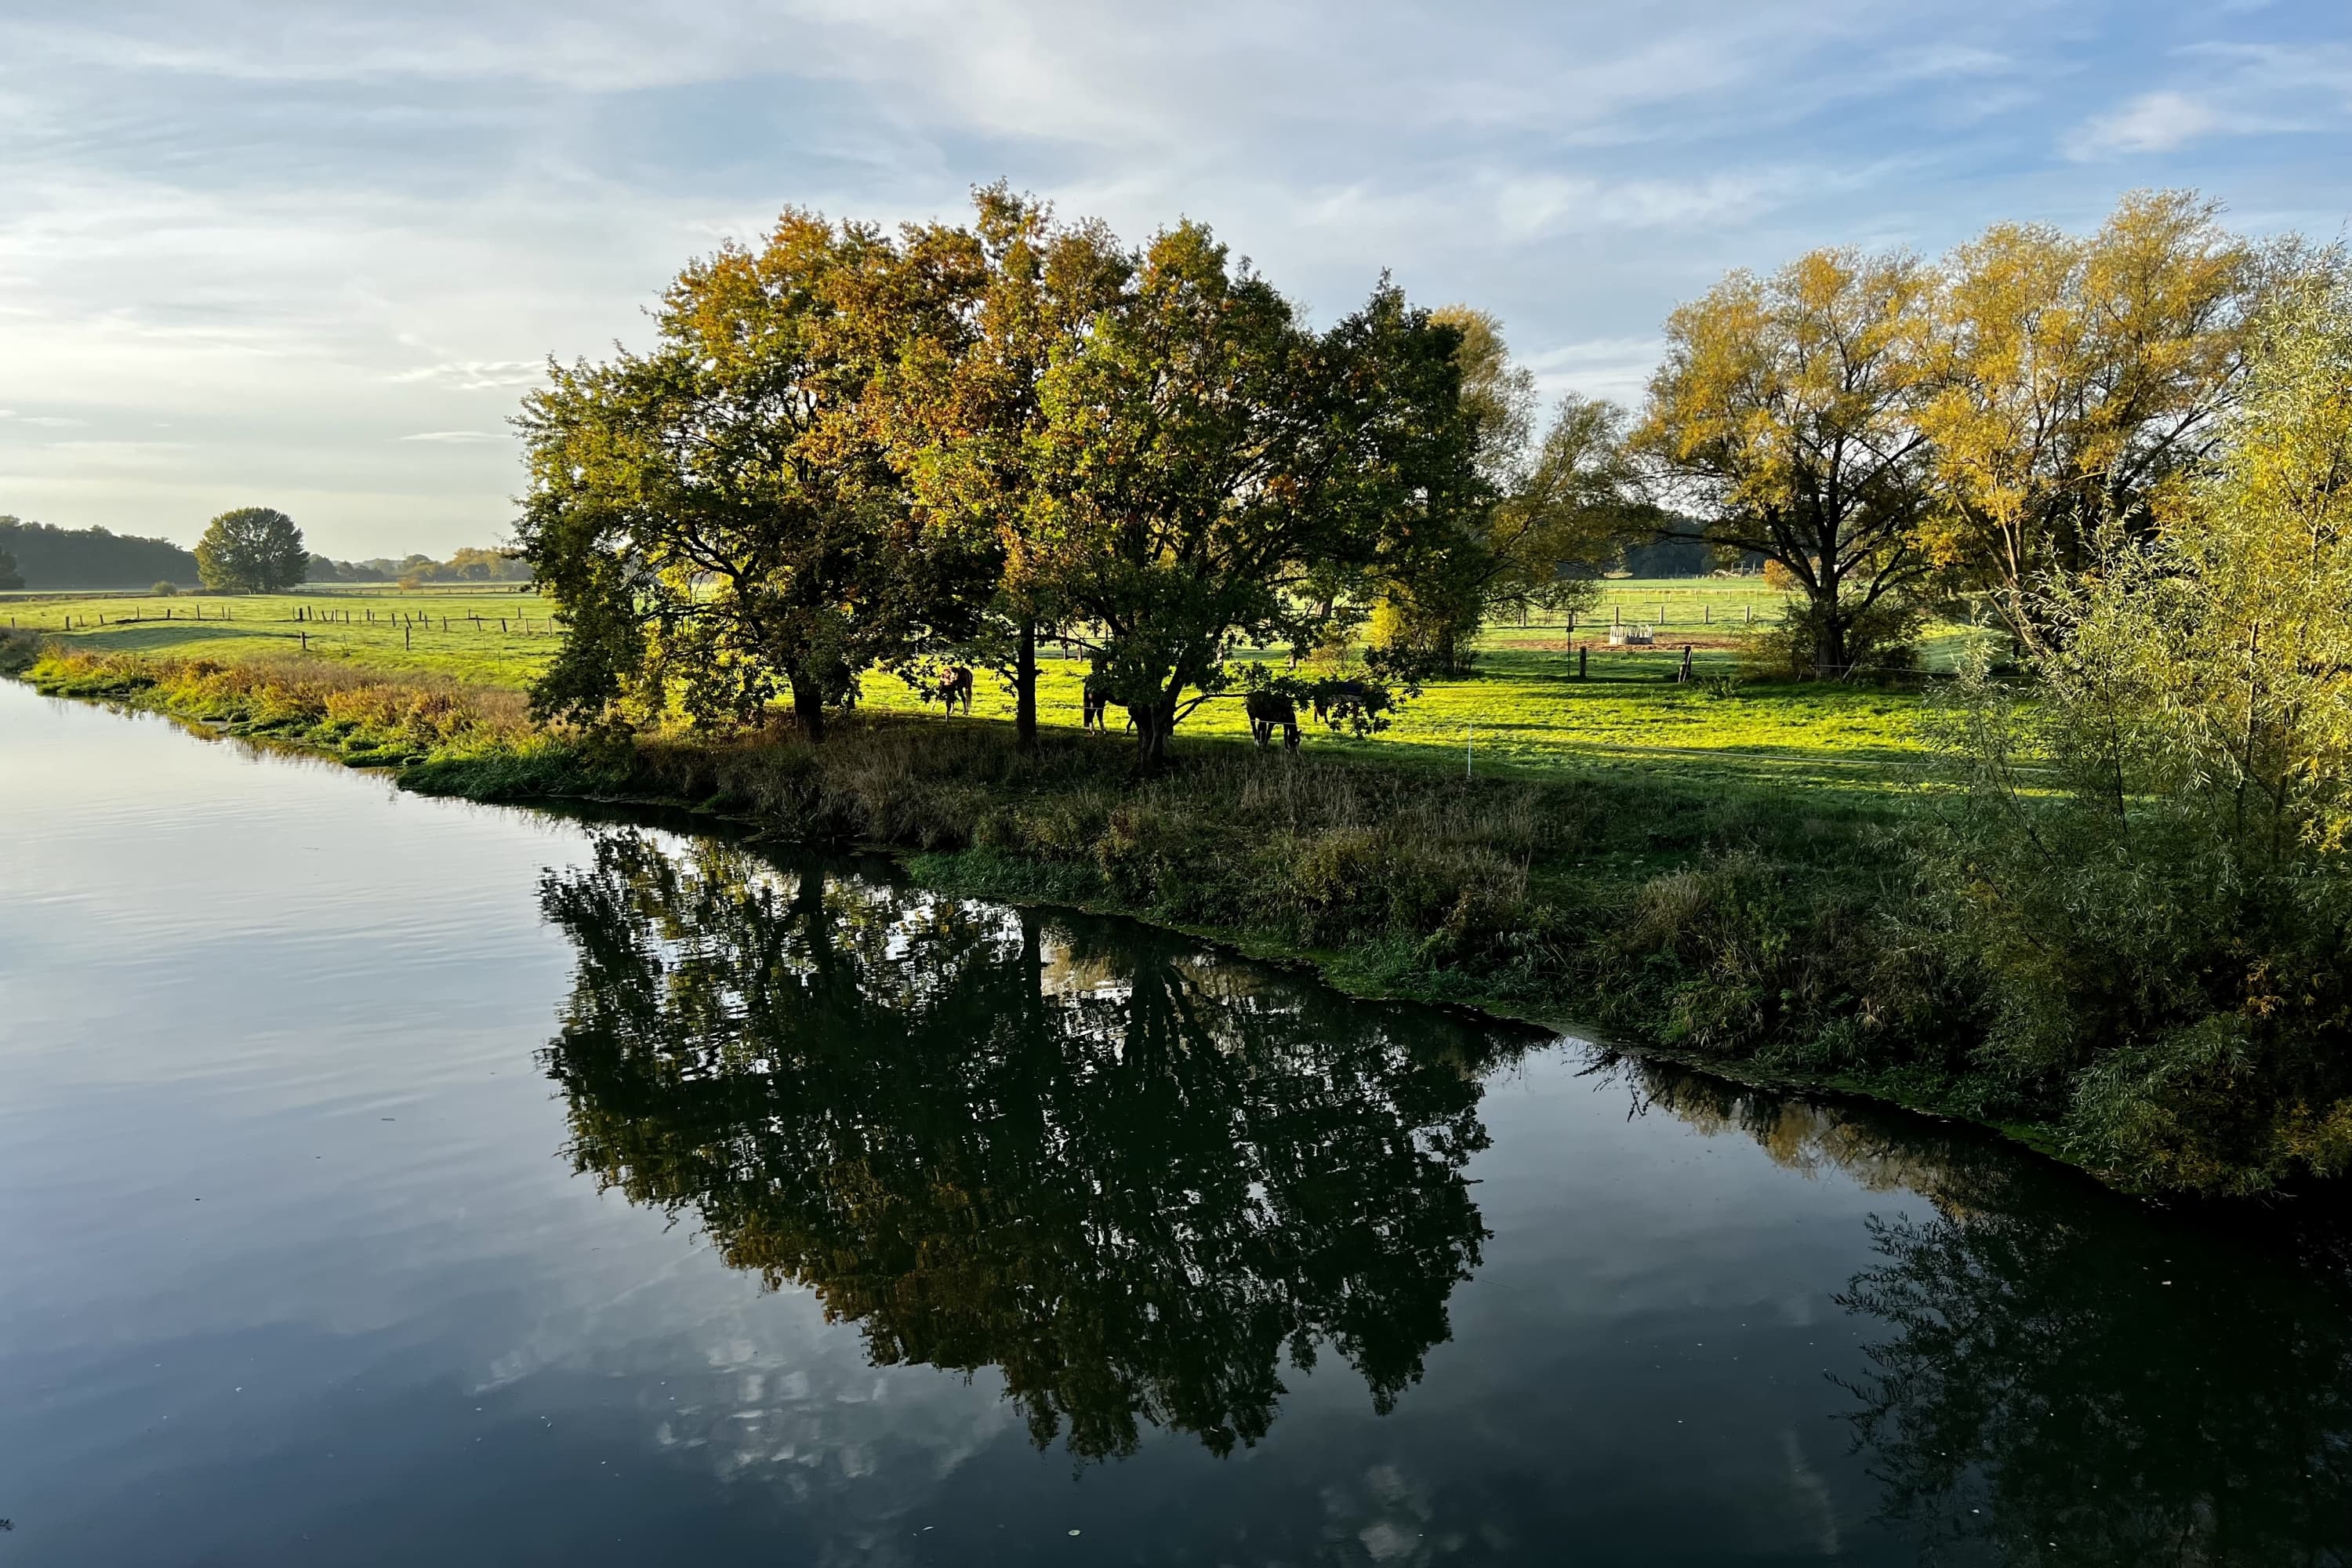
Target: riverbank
(1771, 932)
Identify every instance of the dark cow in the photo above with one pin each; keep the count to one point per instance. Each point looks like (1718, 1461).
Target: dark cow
(1097, 705)
(1339, 697)
(953, 687)
(1270, 711)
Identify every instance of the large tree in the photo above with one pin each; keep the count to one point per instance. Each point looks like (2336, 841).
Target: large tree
(1542, 507)
(253, 549)
(9, 576)
(719, 517)
(1782, 417)
(2074, 378)
(964, 408)
(1209, 468)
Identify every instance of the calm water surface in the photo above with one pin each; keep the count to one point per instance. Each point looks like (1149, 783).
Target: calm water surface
(391, 1181)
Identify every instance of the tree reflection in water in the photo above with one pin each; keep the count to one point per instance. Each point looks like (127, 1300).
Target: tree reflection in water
(2064, 1378)
(1133, 1178)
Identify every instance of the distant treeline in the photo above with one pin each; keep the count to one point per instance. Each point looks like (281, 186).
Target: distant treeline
(468, 566)
(1684, 553)
(59, 558)
(50, 557)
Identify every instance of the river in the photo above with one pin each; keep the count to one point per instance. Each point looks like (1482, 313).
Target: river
(386, 1180)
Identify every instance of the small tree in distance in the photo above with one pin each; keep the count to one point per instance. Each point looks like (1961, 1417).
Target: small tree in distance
(253, 549)
(9, 576)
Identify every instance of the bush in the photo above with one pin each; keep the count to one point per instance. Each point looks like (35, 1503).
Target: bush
(1882, 642)
(165, 590)
(2152, 861)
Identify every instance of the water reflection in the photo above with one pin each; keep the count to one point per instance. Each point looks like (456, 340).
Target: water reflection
(2056, 1377)
(1135, 1179)
(1142, 1183)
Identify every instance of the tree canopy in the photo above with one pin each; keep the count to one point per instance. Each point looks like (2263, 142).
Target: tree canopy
(1210, 468)
(1782, 416)
(253, 549)
(850, 448)
(719, 515)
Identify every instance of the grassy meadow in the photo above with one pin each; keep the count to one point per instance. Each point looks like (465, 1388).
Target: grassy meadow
(1521, 713)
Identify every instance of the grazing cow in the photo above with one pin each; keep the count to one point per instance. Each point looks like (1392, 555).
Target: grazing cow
(952, 687)
(1339, 697)
(1270, 711)
(1096, 702)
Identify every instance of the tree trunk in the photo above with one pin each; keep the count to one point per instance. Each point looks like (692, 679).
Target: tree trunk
(1829, 643)
(1024, 688)
(808, 708)
(1155, 721)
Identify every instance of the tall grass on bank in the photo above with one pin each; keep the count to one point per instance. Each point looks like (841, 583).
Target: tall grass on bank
(364, 719)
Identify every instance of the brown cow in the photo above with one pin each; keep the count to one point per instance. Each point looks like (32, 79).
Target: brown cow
(950, 687)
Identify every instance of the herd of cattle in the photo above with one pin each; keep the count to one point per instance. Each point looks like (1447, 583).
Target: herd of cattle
(1270, 712)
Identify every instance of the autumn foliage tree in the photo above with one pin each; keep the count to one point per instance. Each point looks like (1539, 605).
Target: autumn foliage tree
(965, 407)
(1782, 416)
(2153, 858)
(2072, 378)
(1210, 468)
(719, 517)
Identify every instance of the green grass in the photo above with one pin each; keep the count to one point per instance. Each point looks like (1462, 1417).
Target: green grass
(1521, 714)
(450, 633)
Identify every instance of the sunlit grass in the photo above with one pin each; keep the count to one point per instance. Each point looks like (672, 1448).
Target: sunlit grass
(1523, 712)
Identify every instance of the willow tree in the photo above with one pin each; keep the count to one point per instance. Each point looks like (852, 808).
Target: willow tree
(2075, 378)
(2163, 904)
(719, 516)
(1781, 417)
(1209, 468)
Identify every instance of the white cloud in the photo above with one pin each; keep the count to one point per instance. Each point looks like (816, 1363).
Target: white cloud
(2152, 122)
(474, 376)
(1948, 59)
(1617, 368)
(2242, 90)
(288, 230)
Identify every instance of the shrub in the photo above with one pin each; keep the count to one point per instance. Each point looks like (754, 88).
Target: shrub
(2152, 860)
(1882, 642)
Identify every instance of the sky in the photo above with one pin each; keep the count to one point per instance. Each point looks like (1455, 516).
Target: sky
(311, 255)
